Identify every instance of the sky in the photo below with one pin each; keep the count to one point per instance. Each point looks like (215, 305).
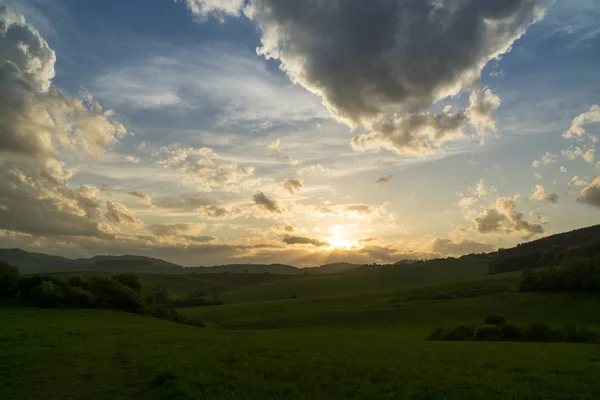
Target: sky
(302, 132)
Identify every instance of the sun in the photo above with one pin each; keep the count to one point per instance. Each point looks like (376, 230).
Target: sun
(337, 242)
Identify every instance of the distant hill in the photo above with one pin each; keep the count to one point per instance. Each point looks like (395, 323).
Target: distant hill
(560, 240)
(36, 263)
(547, 251)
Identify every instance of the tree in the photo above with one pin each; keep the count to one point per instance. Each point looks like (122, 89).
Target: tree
(216, 292)
(75, 281)
(47, 294)
(129, 280)
(9, 280)
(159, 295)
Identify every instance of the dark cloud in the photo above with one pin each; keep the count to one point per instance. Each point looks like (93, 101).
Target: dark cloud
(266, 203)
(385, 179)
(552, 198)
(304, 240)
(293, 185)
(384, 62)
(142, 198)
(118, 213)
(503, 218)
(591, 194)
(359, 208)
(459, 248)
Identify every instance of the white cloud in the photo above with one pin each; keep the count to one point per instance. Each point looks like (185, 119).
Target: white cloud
(539, 194)
(219, 8)
(577, 181)
(547, 158)
(579, 123)
(591, 193)
(232, 87)
(203, 168)
(504, 219)
(34, 115)
(458, 248)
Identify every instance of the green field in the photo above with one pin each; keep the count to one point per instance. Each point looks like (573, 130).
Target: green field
(364, 338)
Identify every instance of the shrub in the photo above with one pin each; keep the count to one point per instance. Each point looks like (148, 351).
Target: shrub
(9, 280)
(47, 295)
(488, 333)
(511, 332)
(158, 295)
(28, 284)
(461, 332)
(75, 281)
(538, 332)
(574, 334)
(129, 280)
(112, 294)
(437, 334)
(78, 297)
(495, 319)
(293, 296)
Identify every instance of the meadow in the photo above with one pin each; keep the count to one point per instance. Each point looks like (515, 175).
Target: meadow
(363, 338)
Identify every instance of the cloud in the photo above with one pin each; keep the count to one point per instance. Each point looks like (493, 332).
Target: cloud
(384, 179)
(563, 169)
(481, 190)
(203, 168)
(459, 248)
(539, 194)
(275, 148)
(591, 193)
(579, 123)
(385, 63)
(142, 198)
(358, 208)
(313, 169)
(577, 181)
(503, 218)
(304, 240)
(34, 115)
(36, 199)
(180, 232)
(266, 203)
(293, 185)
(118, 213)
(219, 8)
(547, 158)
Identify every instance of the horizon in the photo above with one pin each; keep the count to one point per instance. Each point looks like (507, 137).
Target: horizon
(215, 133)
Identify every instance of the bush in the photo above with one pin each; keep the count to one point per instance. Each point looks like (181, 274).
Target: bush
(47, 295)
(112, 294)
(78, 297)
(75, 281)
(495, 319)
(538, 332)
(437, 334)
(129, 280)
(28, 284)
(511, 332)
(459, 333)
(574, 334)
(9, 280)
(158, 295)
(488, 333)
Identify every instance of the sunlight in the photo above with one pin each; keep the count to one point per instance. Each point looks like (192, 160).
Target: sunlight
(337, 242)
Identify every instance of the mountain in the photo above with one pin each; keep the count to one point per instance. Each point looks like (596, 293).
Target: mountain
(332, 268)
(37, 263)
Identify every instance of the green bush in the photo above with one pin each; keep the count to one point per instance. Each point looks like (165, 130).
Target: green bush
(538, 332)
(114, 295)
(438, 334)
(574, 334)
(511, 332)
(78, 297)
(495, 319)
(28, 284)
(158, 295)
(47, 295)
(461, 332)
(75, 281)
(129, 280)
(9, 280)
(488, 333)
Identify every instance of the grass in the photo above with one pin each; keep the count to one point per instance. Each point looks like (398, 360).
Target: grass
(357, 340)
(361, 280)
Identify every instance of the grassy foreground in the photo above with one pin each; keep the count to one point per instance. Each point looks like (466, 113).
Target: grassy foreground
(364, 346)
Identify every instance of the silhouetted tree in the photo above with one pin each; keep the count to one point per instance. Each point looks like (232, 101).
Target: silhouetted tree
(9, 280)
